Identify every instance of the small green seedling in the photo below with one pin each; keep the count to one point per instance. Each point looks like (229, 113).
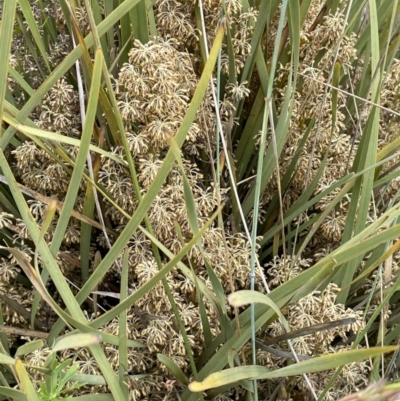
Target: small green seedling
(55, 385)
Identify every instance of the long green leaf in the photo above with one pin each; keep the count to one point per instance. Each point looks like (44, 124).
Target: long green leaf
(26, 384)
(123, 328)
(245, 297)
(13, 394)
(33, 28)
(77, 341)
(308, 366)
(173, 368)
(36, 132)
(366, 156)
(29, 347)
(6, 31)
(82, 154)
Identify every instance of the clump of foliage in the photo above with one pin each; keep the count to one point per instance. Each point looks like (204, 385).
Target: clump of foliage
(161, 158)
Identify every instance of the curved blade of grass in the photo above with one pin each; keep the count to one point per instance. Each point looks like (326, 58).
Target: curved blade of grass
(318, 364)
(32, 274)
(26, 384)
(13, 394)
(245, 297)
(78, 340)
(35, 279)
(47, 200)
(33, 28)
(46, 145)
(36, 132)
(29, 347)
(326, 263)
(214, 361)
(123, 329)
(7, 360)
(20, 80)
(95, 397)
(173, 368)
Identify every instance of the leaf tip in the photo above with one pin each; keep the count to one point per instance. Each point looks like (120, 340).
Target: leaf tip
(195, 387)
(233, 300)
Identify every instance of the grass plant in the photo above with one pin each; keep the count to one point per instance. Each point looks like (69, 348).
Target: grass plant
(199, 200)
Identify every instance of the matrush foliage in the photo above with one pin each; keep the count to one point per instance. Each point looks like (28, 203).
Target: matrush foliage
(199, 200)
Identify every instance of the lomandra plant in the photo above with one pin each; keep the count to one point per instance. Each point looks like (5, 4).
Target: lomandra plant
(209, 186)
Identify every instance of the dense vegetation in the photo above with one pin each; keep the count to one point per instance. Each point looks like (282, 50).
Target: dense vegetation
(199, 199)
